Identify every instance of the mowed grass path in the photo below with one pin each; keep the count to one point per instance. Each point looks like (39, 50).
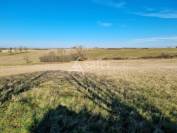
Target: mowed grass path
(108, 67)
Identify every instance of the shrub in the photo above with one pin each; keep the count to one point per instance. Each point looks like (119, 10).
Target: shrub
(114, 58)
(53, 57)
(165, 55)
(161, 56)
(77, 55)
(81, 53)
(10, 50)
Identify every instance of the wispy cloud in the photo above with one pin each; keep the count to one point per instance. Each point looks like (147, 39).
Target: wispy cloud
(154, 42)
(104, 24)
(111, 3)
(156, 39)
(165, 14)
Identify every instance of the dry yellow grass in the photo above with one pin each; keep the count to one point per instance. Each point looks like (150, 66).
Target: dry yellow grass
(148, 86)
(92, 54)
(113, 68)
(18, 59)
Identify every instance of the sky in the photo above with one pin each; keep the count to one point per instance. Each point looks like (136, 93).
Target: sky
(91, 23)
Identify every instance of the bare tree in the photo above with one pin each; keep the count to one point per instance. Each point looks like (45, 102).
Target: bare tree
(15, 50)
(10, 50)
(25, 49)
(20, 49)
(81, 52)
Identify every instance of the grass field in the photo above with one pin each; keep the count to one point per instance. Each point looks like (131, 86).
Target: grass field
(88, 66)
(92, 54)
(19, 58)
(129, 53)
(100, 96)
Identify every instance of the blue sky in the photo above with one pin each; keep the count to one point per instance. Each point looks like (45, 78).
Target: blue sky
(92, 23)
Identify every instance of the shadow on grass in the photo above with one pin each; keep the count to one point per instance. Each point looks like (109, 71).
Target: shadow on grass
(123, 118)
(18, 84)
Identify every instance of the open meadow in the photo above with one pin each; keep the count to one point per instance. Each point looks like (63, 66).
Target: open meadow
(88, 66)
(32, 56)
(114, 90)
